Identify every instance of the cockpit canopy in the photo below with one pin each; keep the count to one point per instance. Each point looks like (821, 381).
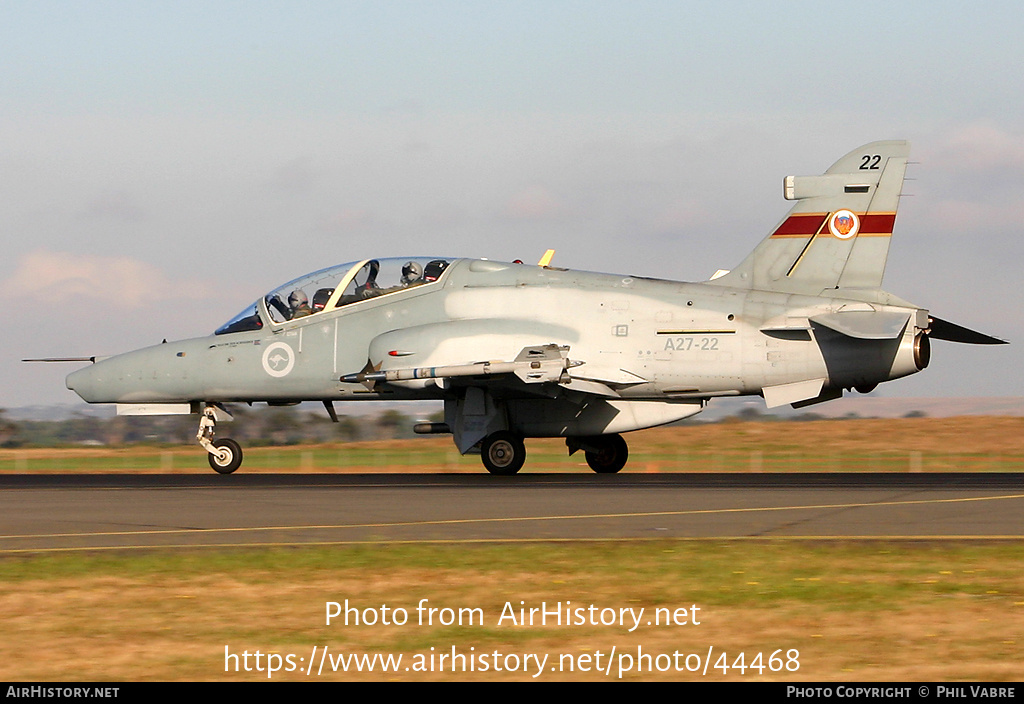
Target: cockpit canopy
(336, 287)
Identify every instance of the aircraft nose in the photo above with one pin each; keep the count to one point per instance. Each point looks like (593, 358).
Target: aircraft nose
(83, 382)
(159, 374)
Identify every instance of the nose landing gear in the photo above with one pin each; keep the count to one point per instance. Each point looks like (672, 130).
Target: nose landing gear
(225, 455)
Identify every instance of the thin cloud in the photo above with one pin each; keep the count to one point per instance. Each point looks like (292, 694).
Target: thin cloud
(57, 278)
(533, 203)
(981, 146)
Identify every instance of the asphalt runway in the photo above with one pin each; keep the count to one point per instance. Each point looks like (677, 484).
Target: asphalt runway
(43, 513)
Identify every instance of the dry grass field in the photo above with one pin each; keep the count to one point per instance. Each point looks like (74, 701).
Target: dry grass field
(970, 443)
(863, 612)
(855, 612)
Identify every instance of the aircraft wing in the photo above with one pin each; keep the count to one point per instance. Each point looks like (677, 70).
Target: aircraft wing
(524, 355)
(533, 365)
(537, 364)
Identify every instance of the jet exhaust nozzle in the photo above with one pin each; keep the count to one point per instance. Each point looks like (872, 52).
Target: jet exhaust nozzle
(922, 351)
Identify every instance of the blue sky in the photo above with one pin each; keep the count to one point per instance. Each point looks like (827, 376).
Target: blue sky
(162, 164)
(280, 58)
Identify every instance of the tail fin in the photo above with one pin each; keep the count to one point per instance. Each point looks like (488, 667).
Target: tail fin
(837, 235)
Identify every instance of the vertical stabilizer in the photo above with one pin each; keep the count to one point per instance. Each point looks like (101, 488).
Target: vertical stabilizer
(837, 235)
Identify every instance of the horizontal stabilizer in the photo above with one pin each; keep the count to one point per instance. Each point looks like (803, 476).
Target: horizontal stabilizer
(944, 330)
(865, 325)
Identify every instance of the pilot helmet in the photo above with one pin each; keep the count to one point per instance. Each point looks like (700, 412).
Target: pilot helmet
(411, 271)
(297, 298)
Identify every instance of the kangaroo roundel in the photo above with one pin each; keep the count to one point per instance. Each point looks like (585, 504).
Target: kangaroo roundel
(278, 359)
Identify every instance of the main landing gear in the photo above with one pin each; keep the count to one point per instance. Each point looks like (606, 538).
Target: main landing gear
(606, 454)
(504, 453)
(225, 455)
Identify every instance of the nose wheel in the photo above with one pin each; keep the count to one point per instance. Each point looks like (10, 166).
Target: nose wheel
(228, 456)
(225, 455)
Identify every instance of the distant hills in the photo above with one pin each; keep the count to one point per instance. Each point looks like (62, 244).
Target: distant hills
(876, 407)
(864, 406)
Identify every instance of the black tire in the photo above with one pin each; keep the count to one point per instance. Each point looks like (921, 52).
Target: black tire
(503, 453)
(612, 455)
(232, 459)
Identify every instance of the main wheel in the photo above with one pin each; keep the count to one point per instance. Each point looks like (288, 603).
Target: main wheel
(503, 453)
(230, 457)
(610, 456)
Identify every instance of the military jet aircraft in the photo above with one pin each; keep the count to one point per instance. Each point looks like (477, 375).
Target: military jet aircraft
(521, 351)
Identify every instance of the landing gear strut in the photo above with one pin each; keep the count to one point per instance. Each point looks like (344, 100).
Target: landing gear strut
(503, 453)
(225, 455)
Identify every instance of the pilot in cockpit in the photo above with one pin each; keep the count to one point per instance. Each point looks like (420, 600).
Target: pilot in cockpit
(299, 304)
(412, 274)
